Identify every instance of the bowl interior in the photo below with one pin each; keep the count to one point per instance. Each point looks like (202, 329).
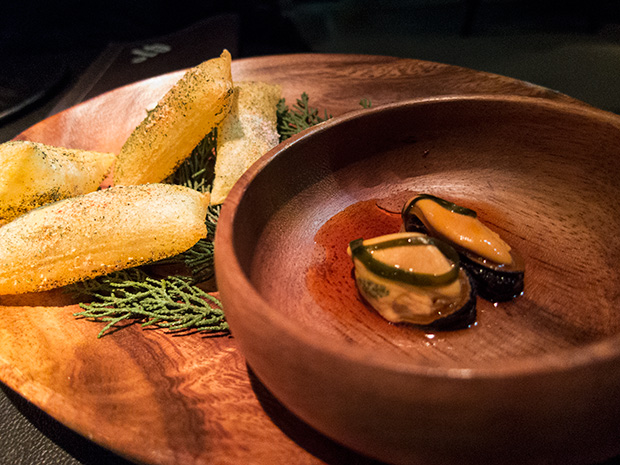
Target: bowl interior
(542, 174)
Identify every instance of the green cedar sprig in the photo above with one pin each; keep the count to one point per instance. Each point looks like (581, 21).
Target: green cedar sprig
(132, 296)
(301, 116)
(198, 171)
(175, 302)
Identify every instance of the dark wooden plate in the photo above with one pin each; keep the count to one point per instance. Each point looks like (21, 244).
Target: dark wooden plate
(159, 399)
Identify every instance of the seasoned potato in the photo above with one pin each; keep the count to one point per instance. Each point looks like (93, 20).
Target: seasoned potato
(97, 233)
(166, 137)
(248, 132)
(33, 174)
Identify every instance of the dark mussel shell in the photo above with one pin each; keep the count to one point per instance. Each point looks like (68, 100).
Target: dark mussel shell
(412, 223)
(463, 317)
(495, 284)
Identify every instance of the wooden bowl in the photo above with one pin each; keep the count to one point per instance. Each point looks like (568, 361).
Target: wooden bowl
(535, 380)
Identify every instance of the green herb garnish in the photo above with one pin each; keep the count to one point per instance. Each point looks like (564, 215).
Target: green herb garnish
(294, 120)
(175, 302)
(132, 295)
(365, 103)
(198, 170)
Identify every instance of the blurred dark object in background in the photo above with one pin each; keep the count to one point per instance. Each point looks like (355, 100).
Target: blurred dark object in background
(32, 26)
(22, 83)
(46, 46)
(567, 45)
(581, 16)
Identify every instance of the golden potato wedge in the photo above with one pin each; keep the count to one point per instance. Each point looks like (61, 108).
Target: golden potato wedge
(97, 233)
(166, 137)
(33, 174)
(248, 132)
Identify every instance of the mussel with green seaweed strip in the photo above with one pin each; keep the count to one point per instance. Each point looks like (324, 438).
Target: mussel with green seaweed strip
(496, 267)
(414, 278)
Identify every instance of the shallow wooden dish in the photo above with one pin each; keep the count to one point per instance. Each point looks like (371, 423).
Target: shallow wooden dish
(536, 380)
(159, 399)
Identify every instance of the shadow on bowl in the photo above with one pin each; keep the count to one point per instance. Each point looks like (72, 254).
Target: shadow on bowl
(307, 437)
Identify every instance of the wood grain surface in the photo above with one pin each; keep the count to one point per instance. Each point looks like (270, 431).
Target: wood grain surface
(159, 399)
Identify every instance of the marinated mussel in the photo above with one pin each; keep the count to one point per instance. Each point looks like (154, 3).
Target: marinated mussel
(414, 278)
(497, 268)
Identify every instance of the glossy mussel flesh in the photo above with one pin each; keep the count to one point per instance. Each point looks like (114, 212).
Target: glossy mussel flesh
(414, 278)
(497, 268)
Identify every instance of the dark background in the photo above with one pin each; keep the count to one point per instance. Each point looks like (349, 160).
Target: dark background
(572, 46)
(35, 27)
(46, 46)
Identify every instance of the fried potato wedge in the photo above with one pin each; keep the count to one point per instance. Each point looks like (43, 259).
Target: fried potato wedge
(166, 137)
(97, 233)
(248, 132)
(34, 174)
